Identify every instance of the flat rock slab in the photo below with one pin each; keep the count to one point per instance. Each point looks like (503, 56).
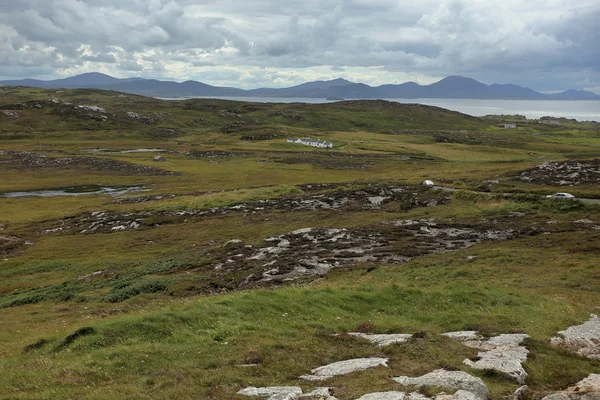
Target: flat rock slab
(459, 395)
(270, 391)
(502, 353)
(469, 338)
(463, 335)
(583, 339)
(393, 395)
(455, 380)
(288, 393)
(285, 396)
(344, 367)
(586, 389)
(322, 393)
(382, 340)
(591, 383)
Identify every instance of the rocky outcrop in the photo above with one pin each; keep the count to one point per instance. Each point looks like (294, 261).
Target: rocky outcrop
(344, 367)
(140, 117)
(586, 389)
(394, 395)
(454, 380)
(564, 173)
(10, 114)
(583, 339)
(502, 353)
(30, 160)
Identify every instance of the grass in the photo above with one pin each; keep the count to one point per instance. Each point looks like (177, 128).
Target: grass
(290, 329)
(144, 313)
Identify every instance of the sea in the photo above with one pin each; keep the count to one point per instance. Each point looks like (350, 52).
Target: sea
(581, 110)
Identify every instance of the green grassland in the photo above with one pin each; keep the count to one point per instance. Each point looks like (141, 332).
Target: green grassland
(143, 313)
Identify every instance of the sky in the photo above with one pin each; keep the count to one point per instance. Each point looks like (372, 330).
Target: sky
(547, 45)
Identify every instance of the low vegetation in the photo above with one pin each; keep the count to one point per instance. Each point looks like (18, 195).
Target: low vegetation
(172, 290)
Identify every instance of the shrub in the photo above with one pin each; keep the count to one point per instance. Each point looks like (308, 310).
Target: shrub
(125, 291)
(85, 331)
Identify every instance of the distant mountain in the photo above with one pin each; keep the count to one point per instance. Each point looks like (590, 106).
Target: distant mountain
(452, 87)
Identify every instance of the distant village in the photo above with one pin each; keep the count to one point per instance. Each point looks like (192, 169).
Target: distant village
(311, 142)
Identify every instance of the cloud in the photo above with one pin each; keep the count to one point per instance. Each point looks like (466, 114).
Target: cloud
(547, 45)
(130, 65)
(100, 58)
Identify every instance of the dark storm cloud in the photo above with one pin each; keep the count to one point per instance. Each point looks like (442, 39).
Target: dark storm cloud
(543, 44)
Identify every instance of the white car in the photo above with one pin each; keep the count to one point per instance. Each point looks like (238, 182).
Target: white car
(428, 183)
(561, 196)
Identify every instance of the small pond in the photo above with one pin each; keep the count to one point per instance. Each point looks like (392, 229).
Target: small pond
(77, 191)
(126, 151)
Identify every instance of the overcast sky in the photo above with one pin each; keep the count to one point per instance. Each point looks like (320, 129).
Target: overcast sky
(548, 45)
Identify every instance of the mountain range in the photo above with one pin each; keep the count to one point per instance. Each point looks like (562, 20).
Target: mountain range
(452, 87)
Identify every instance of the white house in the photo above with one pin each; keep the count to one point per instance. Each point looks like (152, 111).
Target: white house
(312, 142)
(507, 126)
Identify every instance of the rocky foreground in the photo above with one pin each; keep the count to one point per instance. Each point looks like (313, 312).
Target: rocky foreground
(503, 353)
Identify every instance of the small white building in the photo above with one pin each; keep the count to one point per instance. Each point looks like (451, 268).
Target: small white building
(312, 142)
(507, 126)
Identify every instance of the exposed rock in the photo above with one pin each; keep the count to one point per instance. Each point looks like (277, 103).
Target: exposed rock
(455, 380)
(377, 200)
(321, 393)
(520, 392)
(9, 244)
(10, 114)
(344, 367)
(503, 360)
(393, 395)
(466, 337)
(458, 395)
(288, 393)
(501, 353)
(564, 173)
(270, 391)
(285, 396)
(507, 339)
(302, 253)
(583, 339)
(26, 160)
(140, 117)
(93, 274)
(382, 340)
(432, 203)
(589, 384)
(92, 108)
(233, 242)
(586, 389)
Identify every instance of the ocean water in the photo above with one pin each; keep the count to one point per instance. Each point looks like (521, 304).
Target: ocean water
(581, 110)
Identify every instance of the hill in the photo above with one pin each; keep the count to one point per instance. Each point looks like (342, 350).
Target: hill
(454, 87)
